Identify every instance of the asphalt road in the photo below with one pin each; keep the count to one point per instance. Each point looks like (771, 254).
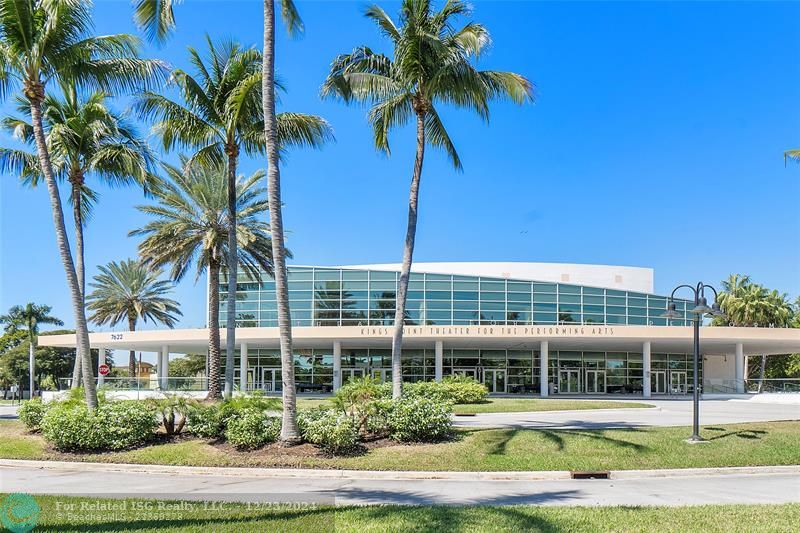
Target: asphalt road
(666, 413)
(672, 491)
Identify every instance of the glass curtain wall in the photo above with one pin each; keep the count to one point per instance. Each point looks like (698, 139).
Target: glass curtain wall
(341, 297)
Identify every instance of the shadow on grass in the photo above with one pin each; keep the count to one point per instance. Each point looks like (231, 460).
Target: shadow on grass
(561, 437)
(749, 434)
(255, 521)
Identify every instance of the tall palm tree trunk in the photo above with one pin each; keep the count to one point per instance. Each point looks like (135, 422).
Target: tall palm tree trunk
(35, 94)
(214, 392)
(233, 259)
(761, 373)
(289, 431)
(405, 269)
(132, 354)
(32, 363)
(79, 260)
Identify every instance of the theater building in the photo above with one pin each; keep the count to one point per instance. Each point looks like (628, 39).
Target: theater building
(520, 328)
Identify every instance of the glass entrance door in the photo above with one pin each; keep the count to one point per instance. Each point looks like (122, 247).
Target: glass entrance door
(271, 380)
(595, 382)
(382, 374)
(677, 383)
(658, 382)
(495, 380)
(351, 373)
(569, 381)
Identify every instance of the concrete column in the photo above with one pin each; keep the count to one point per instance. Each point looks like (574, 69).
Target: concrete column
(243, 367)
(163, 367)
(646, 385)
(740, 368)
(439, 361)
(337, 365)
(544, 347)
(101, 360)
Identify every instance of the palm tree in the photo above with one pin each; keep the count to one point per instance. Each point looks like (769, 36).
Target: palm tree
(129, 290)
(190, 230)
(794, 155)
(747, 304)
(156, 18)
(42, 41)
(431, 64)
(221, 117)
(86, 140)
(28, 318)
(290, 433)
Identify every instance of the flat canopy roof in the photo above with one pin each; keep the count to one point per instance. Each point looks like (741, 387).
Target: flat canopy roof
(672, 339)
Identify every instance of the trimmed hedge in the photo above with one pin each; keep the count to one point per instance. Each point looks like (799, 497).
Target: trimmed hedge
(32, 412)
(334, 431)
(112, 426)
(205, 421)
(454, 389)
(417, 419)
(252, 428)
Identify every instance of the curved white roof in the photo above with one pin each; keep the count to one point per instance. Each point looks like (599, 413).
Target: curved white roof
(628, 278)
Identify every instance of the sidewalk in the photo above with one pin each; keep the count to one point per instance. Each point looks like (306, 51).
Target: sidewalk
(661, 487)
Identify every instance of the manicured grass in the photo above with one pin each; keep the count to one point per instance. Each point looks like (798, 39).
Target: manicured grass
(133, 515)
(753, 444)
(523, 405)
(511, 405)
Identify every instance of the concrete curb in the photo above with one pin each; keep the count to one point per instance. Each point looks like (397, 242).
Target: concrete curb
(652, 408)
(289, 473)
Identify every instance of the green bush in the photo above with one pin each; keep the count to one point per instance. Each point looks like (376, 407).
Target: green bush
(172, 411)
(251, 402)
(332, 430)
(418, 419)
(358, 400)
(205, 421)
(252, 428)
(32, 412)
(112, 426)
(306, 416)
(454, 389)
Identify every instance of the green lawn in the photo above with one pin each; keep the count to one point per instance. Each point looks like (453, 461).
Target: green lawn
(197, 517)
(510, 405)
(525, 405)
(762, 443)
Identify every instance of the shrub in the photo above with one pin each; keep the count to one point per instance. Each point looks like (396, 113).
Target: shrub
(418, 419)
(112, 426)
(333, 431)
(358, 399)
(306, 416)
(205, 421)
(251, 402)
(454, 389)
(32, 412)
(172, 410)
(252, 428)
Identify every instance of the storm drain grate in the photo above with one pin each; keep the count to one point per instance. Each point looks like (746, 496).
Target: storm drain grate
(590, 475)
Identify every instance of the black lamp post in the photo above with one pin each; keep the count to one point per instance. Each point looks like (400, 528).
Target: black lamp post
(700, 309)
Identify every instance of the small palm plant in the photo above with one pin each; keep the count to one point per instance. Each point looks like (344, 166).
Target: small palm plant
(221, 117)
(189, 231)
(46, 42)
(28, 318)
(432, 64)
(129, 291)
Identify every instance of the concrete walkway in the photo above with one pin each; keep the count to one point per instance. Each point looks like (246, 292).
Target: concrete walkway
(665, 413)
(768, 485)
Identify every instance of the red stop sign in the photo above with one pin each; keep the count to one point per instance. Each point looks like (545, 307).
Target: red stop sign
(104, 370)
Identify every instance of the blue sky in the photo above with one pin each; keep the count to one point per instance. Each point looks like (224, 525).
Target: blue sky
(656, 140)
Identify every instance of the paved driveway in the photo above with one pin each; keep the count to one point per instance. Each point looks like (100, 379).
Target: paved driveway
(665, 413)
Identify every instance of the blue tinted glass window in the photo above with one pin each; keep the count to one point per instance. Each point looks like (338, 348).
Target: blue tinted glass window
(569, 289)
(549, 308)
(544, 287)
(544, 298)
(516, 286)
(437, 285)
(494, 306)
(465, 295)
(463, 304)
(437, 295)
(465, 285)
(495, 296)
(544, 318)
(596, 309)
(493, 285)
(569, 298)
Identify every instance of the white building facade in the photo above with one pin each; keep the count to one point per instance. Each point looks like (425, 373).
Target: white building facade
(521, 328)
